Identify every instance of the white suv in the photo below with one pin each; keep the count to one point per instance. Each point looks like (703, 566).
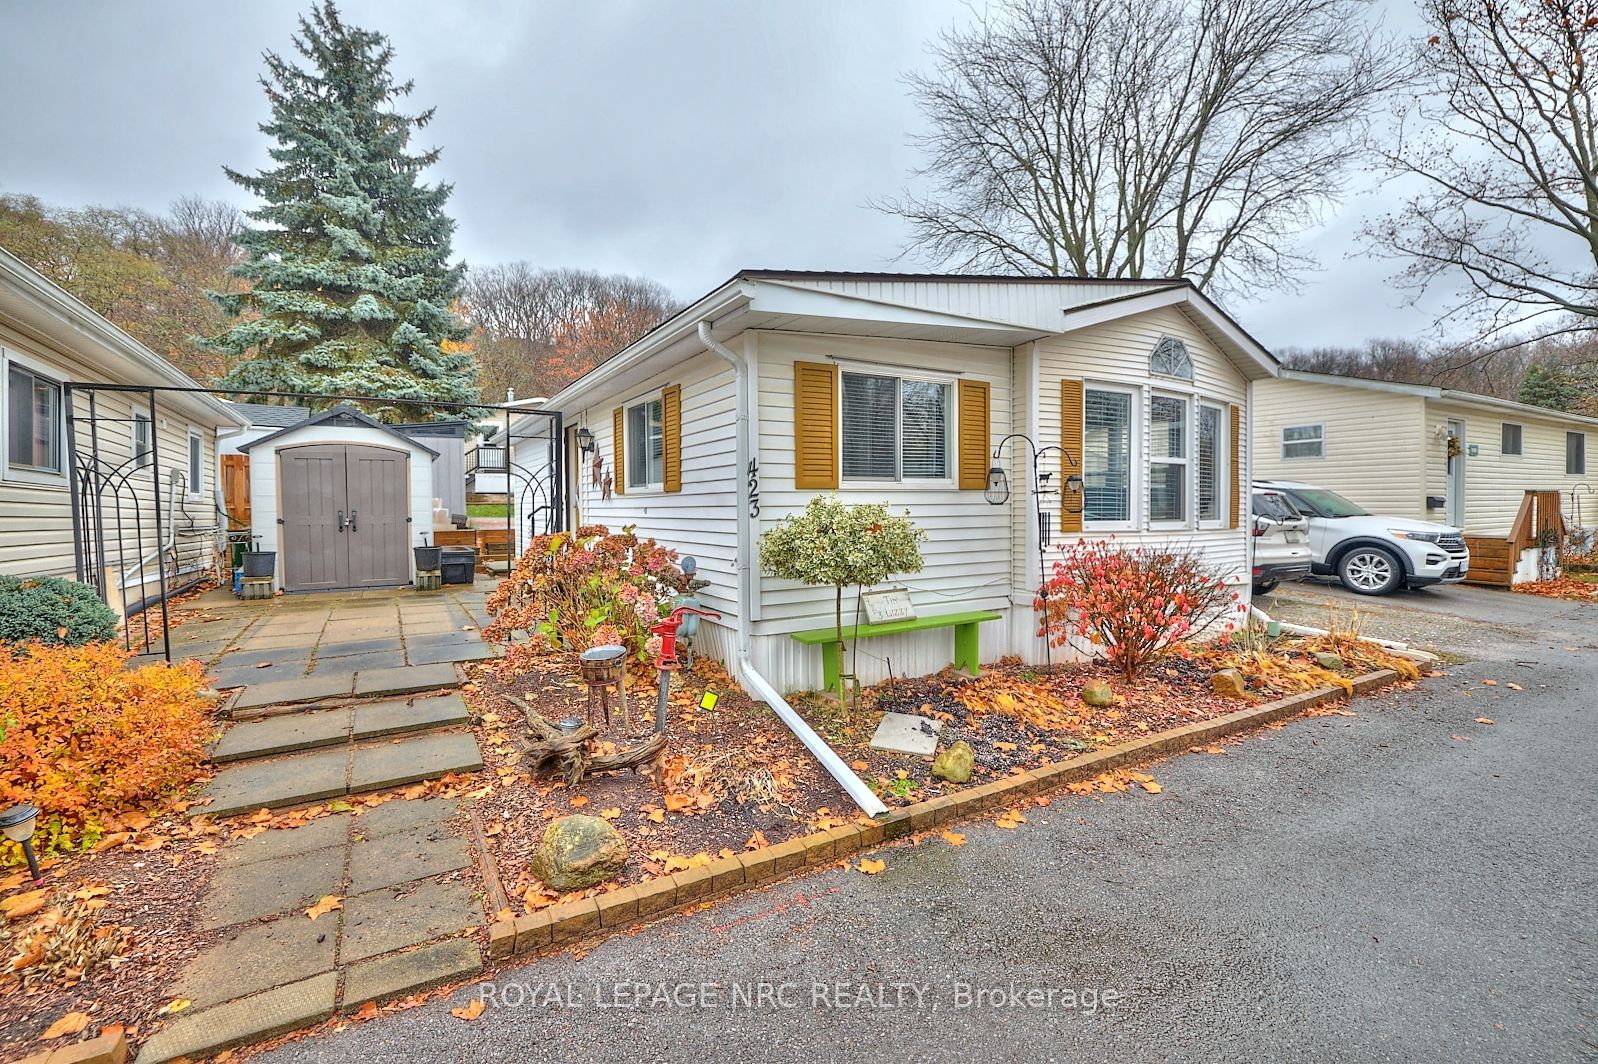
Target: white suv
(1371, 554)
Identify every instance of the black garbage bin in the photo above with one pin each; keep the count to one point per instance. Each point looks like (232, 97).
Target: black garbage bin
(458, 565)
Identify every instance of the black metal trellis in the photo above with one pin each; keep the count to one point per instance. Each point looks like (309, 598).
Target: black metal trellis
(111, 514)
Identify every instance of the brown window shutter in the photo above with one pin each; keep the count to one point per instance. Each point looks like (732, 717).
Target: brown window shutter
(618, 453)
(974, 435)
(815, 425)
(671, 436)
(1237, 467)
(1071, 415)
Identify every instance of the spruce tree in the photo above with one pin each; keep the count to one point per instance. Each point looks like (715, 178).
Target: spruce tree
(350, 283)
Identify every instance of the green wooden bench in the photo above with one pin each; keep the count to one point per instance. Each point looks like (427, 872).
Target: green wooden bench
(965, 639)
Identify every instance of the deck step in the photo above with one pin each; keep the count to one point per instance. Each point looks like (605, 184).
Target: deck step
(312, 728)
(319, 774)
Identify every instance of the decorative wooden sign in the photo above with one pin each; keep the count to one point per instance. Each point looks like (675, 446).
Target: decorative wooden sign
(889, 604)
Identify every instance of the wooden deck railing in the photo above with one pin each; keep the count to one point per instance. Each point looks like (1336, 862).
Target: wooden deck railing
(1493, 558)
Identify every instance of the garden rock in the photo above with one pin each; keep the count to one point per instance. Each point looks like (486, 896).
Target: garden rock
(1328, 660)
(1098, 694)
(579, 852)
(1229, 682)
(954, 763)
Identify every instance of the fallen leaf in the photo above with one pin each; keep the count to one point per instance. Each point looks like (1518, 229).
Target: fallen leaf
(871, 866)
(176, 1005)
(954, 838)
(71, 1023)
(19, 905)
(1485, 720)
(757, 841)
(1514, 687)
(859, 766)
(1461, 738)
(470, 1012)
(1151, 786)
(610, 814)
(1489, 683)
(263, 665)
(365, 1012)
(579, 801)
(328, 903)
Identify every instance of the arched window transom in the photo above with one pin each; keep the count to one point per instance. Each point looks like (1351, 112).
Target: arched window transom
(1170, 359)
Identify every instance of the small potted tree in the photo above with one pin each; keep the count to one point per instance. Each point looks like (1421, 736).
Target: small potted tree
(833, 543)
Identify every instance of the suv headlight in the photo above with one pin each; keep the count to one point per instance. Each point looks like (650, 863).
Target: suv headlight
(1419, 537)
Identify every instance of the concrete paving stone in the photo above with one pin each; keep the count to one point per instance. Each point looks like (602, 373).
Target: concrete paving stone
(199, 651)
(281, 735)
(429, 629)
(419, 853)
(303, 689)
(247, 654)
(386, 920)
(279, 641)
(392, 717)
(258, 957)
(395, 681)
(252, 1019)
(409, 973)
(458, 652)
(285, 626)
(448, 637)
(228, 676)
(907, 733)
(416, 757)
(303, 777)
(380, 659)
(283, 842)
(391, 817)
(346, 647)
(275, 885)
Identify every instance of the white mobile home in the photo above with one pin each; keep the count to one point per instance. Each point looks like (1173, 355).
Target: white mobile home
(135, 471)
(1433, 454)
(901, 388)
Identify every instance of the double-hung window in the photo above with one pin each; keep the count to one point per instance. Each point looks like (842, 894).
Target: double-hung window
(196, 464)
(1510, 438)
(1168, 458)
(1107, 456)
(33, 413)
(646, 444)
(1576, 453)
(1211, 472)
(895, 428)
(141, 441)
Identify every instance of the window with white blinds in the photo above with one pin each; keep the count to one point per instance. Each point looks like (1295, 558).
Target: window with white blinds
(1168, 458)
(1211, 459)
(894, 428)
(645, 445)
(1107, 456)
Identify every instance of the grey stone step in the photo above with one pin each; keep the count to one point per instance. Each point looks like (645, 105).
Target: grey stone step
(252, 1019)
(329, 772)
(325, 686)
(311, 728)
(408, 973)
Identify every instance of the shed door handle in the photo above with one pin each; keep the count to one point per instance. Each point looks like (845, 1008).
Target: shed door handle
(353, 514)
(341, 520)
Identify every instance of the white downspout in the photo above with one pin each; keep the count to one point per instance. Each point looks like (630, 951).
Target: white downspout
(856, 788)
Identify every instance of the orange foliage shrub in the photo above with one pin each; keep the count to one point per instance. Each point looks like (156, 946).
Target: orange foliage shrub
(85, 738)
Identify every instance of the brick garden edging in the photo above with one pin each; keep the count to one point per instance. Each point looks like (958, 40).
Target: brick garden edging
(106, 1049)
(569, 921)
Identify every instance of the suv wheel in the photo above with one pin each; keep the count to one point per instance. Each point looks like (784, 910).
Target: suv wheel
(1370, 571)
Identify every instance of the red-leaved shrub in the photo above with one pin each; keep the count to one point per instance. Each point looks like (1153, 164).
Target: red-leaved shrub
(1133, 603)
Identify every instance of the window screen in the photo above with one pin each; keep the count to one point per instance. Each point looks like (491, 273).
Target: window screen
(1575, 453)
(645, 445)
(1209, 463)
(1510, 441)
(1107, 456)
(924, 407)
(870, 427)
(35, 415)
(1303, 441)
(1167, 458)
(196, 465)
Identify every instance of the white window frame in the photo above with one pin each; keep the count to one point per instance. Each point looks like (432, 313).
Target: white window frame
(194, 464)
(143, 458)
(1135, 459)
(646, 487)
(951, 419)
(1189, 480)
(43, 478)
(1520, 439)
(1223, 461)
(1318, 426)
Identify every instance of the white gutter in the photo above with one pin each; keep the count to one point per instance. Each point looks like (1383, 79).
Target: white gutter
(1299, 629)
(856, 788)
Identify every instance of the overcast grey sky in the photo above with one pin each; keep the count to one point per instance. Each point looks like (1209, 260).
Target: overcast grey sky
(680, 140)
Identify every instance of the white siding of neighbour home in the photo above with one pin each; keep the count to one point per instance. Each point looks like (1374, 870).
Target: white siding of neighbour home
(36, 536)
(1376, 444)
(967, 554)
(1495, 483)
(1038, 304)
(265, 497)
(700, 520)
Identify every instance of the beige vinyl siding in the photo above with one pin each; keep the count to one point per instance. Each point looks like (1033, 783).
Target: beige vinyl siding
(967, 554)
(1496, 483)
(1038, 304)
(1117, 353)
(36, 519)
(1372, 451)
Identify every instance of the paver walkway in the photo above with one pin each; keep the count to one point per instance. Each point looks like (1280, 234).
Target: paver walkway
(399, 868)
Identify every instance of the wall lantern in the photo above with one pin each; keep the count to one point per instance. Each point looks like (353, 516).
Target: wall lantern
(1073, 484)
(17, 823)
(585, 441)
(998, 490)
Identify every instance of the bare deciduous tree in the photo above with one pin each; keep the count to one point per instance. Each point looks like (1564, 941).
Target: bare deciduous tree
(522, 313)
(1503, 139)
(1142, 138)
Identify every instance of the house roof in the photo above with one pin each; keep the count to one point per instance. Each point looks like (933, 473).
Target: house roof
(1449, 395)
(267, 415)
(38, 305)
(339, 413)
(983, 309)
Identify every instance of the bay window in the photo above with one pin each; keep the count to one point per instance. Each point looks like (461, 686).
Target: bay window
(894, 428)
(1168, 458)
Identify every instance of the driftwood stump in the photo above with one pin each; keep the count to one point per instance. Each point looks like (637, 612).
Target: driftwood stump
(546, 748)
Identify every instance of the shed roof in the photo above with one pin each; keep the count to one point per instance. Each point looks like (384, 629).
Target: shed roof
(341, 414)
(268, 415)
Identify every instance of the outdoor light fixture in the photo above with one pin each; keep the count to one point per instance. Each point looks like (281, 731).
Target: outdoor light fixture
(585, 441)
(998, 489)
(1073, 484)
(17, 823)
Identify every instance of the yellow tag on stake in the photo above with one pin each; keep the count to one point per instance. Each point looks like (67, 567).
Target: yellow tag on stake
(708, 700)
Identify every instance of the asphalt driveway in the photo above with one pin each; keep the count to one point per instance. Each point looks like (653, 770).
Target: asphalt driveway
(1401, 884)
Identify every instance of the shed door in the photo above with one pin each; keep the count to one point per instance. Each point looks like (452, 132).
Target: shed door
(345, 509)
